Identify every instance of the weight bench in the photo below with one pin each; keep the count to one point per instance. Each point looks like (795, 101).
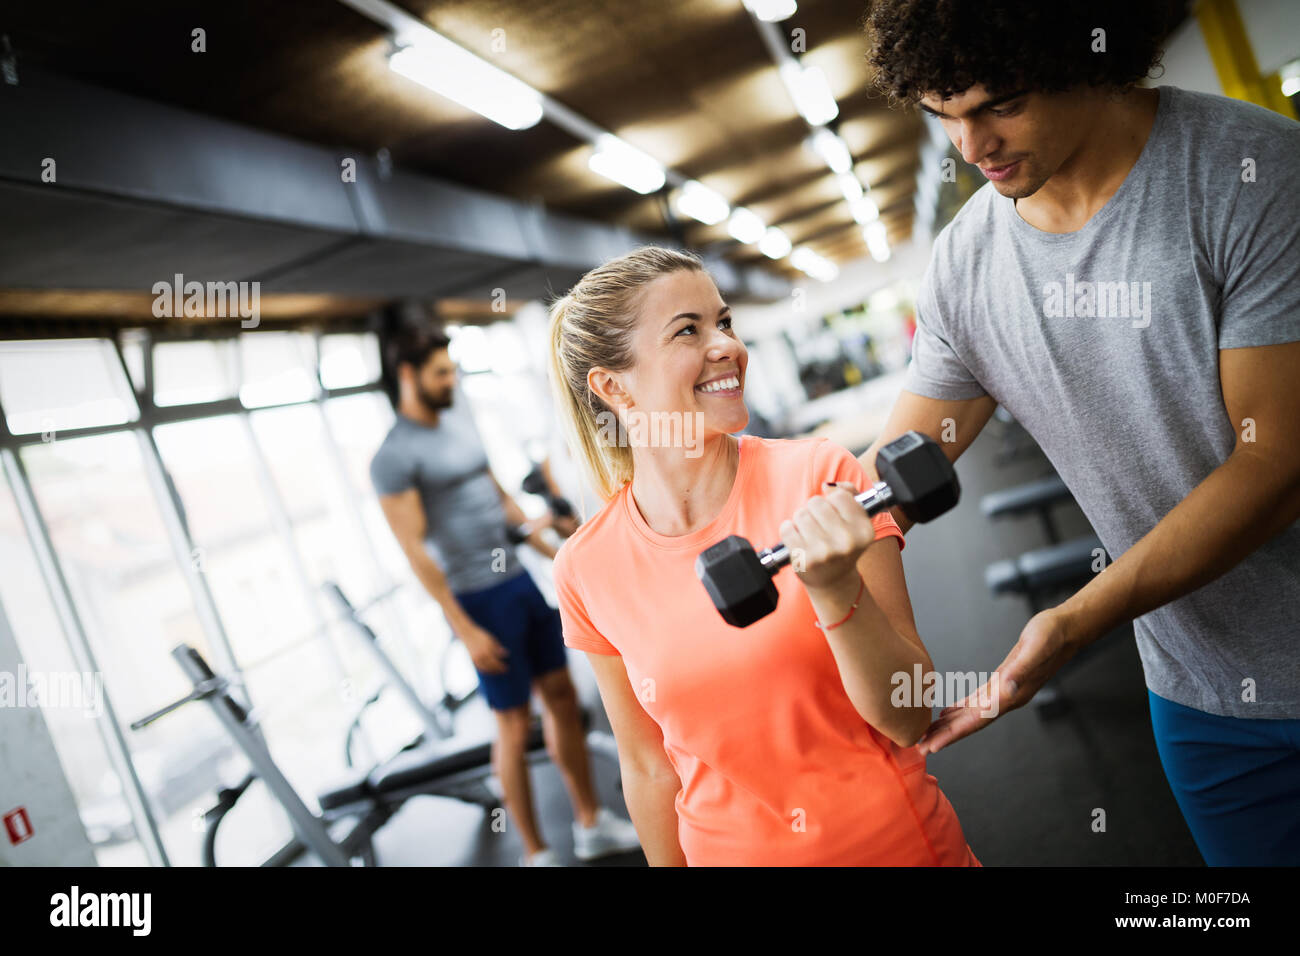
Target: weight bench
(1035, 496)
(358, 806)
(456, 767)
(1041, 571)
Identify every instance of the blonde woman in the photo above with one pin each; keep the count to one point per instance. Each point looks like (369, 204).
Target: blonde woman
(772, 745)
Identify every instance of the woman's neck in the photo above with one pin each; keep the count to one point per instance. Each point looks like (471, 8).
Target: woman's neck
(677, 494)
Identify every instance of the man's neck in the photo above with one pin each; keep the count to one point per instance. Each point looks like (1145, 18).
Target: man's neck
(1087, 180)
(419, 413)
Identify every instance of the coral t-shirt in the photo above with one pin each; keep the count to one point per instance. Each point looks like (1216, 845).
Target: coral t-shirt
(777, 766)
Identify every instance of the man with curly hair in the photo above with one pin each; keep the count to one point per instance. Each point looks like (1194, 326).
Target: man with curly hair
(1127, 285)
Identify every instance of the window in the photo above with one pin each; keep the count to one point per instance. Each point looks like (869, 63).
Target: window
(48, 386)
(247, 566)
(134, 604)
(187, 373)
(348, 360)
(278, 367)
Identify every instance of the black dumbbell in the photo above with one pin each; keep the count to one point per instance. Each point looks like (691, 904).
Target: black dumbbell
(535, 484)
(916, 477)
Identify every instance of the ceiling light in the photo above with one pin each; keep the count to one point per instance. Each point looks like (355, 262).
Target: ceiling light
(625, 165)
(804, 259)
(440, 65)
(810, 263)
(774, 244)
(810, 92)
(850, 186)
(877, 240)
(864, 210)
(833, 150)
(827, 271)
(744, 226)
(702, 203)
(770, 11)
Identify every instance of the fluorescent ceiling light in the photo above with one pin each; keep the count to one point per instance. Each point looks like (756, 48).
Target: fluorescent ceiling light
(1291, 86)
(625, 165)
(770, 11)
(810, 92)
(864, 210)
(810, 263)
(804, 259)
(850, 186)
(833, 150)
(744, 226)
(877, 240)
(702, 203)
(774, 244)
(440, 65)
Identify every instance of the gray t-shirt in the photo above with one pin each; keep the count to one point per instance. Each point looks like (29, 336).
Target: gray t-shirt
(1104, 343)
(466, 520)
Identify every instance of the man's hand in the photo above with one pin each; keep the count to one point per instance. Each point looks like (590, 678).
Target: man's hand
(1042, 650)
(564, 526)
(489, 654)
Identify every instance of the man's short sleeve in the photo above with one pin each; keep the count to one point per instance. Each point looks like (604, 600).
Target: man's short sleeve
(391, 472)
(579, 632)
(936, 371)
(1261, 287)
(832, 462)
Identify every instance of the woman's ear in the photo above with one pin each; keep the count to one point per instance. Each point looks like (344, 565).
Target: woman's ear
(605, 386)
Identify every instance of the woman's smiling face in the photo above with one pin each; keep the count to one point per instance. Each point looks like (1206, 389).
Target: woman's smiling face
(687, 357)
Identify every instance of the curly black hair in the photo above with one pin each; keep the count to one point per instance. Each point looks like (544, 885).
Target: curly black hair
(943, 47)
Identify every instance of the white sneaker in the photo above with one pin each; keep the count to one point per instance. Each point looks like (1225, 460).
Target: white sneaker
(609, 834)
(545, 857)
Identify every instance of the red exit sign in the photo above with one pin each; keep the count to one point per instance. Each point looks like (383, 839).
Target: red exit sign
(18, 825)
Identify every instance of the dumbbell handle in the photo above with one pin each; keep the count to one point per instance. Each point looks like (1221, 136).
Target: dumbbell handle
(876, 498)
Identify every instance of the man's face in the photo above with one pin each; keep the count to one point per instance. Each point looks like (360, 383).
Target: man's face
(1018, 140)
(435, 381)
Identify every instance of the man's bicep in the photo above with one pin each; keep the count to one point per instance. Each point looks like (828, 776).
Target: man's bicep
(404, 512)
(1261, 393)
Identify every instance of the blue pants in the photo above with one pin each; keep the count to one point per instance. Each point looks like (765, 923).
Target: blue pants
(517, 615)
(1237, 782)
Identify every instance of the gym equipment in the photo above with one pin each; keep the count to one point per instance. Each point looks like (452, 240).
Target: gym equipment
(535, 484)
(1043, 573)
(916, 476)
(361, 803)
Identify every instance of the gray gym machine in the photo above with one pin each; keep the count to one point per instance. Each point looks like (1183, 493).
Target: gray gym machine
(437, 763)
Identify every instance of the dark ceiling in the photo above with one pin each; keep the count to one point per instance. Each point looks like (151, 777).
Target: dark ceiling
(688, 81)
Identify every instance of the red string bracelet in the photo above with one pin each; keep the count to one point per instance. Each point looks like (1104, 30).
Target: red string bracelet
(862, 586)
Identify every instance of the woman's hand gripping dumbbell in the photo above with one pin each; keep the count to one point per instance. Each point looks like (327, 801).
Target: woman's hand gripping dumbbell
(916, 477)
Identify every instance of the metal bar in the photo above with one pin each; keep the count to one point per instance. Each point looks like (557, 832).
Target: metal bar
(173, 414)
(200, 691)
(110, 728)
(185, 554)
(306, 824)
(433, 730)
(356, 517)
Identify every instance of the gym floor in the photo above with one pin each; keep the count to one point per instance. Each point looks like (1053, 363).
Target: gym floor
(1025, 789)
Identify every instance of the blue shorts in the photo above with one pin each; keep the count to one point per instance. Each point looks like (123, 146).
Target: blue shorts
(517, 615)
(1237, 782)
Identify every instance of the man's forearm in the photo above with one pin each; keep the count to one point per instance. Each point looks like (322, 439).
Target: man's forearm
(540, 544)
(1237, 508)
(435, 582)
